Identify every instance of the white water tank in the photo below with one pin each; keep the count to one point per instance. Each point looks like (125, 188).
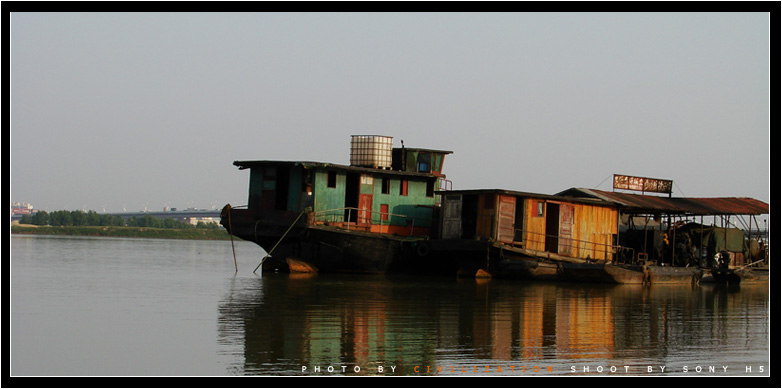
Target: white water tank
(371, 151)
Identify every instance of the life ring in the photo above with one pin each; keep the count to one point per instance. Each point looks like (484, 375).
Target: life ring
(423, 249)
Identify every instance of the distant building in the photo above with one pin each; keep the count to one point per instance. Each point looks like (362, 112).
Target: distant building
(20, 209)
(206, 220)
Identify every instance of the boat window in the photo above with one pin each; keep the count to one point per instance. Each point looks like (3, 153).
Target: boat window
(386, 189)
(306, 182)
(430, 189)
(332, 181)
(403, 188)
(424, 162)
(437, 166)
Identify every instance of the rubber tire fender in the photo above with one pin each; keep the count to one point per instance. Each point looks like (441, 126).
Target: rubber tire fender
(422, 249)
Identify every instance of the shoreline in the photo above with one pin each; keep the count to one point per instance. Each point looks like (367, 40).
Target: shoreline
(123, 232)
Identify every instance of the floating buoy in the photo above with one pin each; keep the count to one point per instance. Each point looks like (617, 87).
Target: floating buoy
(299, 266)
(482, 274)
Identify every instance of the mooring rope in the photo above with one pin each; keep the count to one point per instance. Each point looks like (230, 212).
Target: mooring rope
(227, 209)
(236, 267)
(281, 238)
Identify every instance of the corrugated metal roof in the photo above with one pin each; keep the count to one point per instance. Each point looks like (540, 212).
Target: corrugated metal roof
(676, 205)
(425, 150)
(308, 164)
(571, 199)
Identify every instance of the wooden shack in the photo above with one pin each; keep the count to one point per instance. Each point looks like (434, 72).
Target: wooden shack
(678, 235)
(564, 226)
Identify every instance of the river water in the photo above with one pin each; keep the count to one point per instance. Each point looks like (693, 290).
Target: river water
(144, 307)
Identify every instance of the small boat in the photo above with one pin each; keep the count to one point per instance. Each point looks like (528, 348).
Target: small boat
(738, 276)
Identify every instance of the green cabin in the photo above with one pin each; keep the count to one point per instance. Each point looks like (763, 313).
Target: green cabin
(384, 190)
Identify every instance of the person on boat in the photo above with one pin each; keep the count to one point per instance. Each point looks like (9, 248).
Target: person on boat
(685, 251)
(723, 259)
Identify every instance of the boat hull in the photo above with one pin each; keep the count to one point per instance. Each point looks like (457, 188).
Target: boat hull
(516, 264)
(503, 261)
(628, 274)
(473, 258)
(754, 276)
(334, 251)
(600, 273)
(293, 244)
(735, 276)
(674, 275)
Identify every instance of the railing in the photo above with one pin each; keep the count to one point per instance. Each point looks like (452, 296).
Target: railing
(339, 215)
(611, 252)
(445, 184)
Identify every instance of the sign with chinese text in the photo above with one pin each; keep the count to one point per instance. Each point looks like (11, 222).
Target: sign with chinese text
(642, 184)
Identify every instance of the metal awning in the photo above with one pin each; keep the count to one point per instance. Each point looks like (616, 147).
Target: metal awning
(635, 203)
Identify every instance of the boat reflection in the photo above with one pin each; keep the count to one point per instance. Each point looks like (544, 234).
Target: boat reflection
(280, 323)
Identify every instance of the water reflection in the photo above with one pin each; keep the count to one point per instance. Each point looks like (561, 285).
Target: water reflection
(278, 324)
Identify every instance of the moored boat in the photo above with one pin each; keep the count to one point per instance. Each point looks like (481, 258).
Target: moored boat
(393, 210)
(586, 235)
(743, 276)
(366, 217)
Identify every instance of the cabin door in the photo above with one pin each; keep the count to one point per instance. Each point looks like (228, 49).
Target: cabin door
(452, 217)
(566, 229)
(269, 193)
(552, 228)
(365, 200)
(352, 184)
(506, 221)
(364, 209)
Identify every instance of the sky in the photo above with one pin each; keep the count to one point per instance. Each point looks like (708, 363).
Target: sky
(121, 112)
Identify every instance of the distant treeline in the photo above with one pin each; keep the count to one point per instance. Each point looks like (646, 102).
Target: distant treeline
(92, 218)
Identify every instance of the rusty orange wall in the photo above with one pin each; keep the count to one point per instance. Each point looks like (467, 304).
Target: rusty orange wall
(590, 223)
(485, 224)
(534, 226)
(593, 224)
